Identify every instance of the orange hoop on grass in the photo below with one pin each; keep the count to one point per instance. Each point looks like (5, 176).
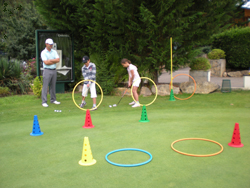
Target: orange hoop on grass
(195, 155)
(189, 77)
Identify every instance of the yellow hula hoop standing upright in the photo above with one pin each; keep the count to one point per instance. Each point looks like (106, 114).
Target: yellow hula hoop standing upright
(156, 91)
(73, 92)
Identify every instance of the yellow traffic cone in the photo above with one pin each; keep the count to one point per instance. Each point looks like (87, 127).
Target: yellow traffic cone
(87, 158)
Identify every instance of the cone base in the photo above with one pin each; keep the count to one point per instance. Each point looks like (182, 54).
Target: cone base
(172, 99)
(39, 134)
(87, 164)
(88, 127)
(236, 145)
(144, 121)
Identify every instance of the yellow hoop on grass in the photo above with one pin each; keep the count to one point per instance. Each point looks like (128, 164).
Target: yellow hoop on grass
(156, 91)
(194, 155)
(73, 92)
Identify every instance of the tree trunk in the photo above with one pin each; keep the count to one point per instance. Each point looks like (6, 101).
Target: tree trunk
(155, 76)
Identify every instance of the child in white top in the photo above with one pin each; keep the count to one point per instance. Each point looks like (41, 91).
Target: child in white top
(134, 78)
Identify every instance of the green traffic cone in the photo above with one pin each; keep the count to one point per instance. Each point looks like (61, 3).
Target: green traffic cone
(172, 96)
(144, 116)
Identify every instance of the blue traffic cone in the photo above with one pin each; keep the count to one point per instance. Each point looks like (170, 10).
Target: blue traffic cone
(36, 128)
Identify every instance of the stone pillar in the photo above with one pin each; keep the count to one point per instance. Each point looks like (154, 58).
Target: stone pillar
(200, 75)
(218, 67)
(246, 82)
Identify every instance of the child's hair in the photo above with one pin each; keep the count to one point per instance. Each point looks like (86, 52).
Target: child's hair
(124, 60)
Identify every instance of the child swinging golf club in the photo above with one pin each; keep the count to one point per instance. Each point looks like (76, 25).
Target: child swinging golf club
(134, 79)
(89, 73)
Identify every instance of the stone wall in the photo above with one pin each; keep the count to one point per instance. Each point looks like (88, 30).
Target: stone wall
(218, 67)
(199, 75)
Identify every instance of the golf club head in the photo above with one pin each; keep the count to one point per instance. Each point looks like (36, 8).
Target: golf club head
(114, 105)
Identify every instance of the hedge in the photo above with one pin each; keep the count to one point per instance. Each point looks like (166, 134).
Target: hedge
(236, 44)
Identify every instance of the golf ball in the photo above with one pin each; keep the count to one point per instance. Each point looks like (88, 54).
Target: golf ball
(110, 106)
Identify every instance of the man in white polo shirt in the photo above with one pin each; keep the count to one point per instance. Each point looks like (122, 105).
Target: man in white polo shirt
(49, 58)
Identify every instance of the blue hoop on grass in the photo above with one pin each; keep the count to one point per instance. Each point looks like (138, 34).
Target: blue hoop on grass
(129, 165)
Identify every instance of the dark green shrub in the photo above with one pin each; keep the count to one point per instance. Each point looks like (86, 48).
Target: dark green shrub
(108, 70)
(20, 85)
(9, 69)
(216, 54)
(200, 63)
(236, 44)
(4, 91)
(11, 76)
(206, 49)
(37, 86)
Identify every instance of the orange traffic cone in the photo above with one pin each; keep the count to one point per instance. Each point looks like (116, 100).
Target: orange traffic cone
(88, 122)
(236, 142)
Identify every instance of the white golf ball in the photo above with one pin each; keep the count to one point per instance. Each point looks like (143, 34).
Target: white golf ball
(110, 106)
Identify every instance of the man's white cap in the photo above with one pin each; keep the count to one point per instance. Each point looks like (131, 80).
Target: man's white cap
(49, 41)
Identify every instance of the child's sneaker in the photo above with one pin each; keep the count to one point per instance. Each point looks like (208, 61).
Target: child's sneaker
(83, 104)
(93, 108)
(132, 103)
(136, 105)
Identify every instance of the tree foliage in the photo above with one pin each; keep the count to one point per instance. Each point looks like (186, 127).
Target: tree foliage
(19, 20)
(140, 30)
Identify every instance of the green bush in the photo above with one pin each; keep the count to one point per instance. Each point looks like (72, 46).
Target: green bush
(236, 44)
(216, 54)
(4, 91)
(206, 49)
(9, 69)
(11, 76)
(37, 86)
(200, 63)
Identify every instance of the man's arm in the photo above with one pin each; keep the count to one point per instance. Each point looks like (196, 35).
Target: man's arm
(51, 61)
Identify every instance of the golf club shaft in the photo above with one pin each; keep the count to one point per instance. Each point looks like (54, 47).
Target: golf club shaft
(122, 96)
(86, 91)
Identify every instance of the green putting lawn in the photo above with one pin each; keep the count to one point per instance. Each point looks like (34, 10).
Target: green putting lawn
(51, 160)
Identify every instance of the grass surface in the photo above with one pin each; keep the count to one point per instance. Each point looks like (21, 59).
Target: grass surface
(51, 160)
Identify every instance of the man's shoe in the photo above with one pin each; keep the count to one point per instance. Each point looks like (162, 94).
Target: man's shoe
(83, 104)
(132, 103)
(45, 105)
(56, 102)
(136, 105)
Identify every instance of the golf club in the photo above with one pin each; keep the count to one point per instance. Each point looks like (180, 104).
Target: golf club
(85, 92)
(114, 105)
